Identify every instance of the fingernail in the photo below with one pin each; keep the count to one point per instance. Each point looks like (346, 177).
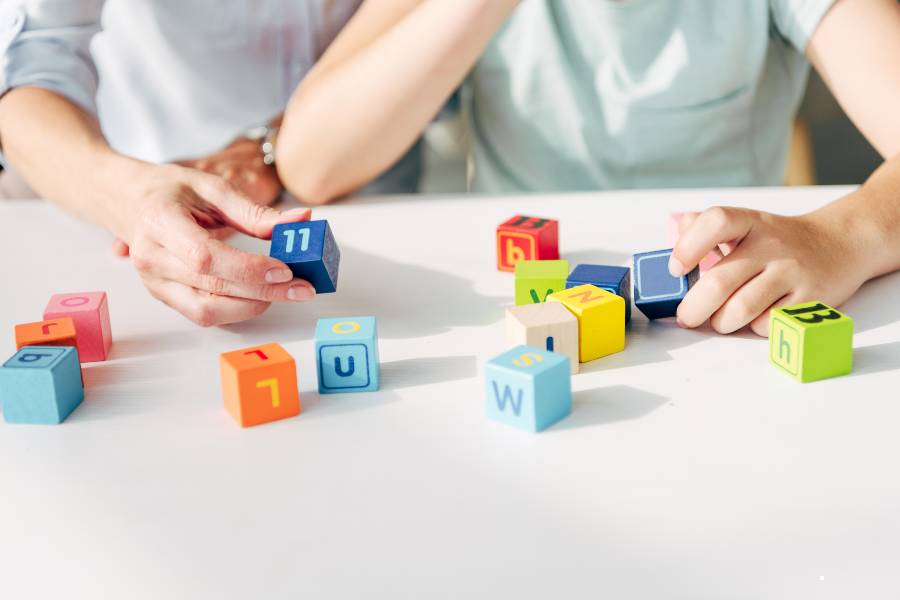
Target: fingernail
(301, 292)
(279, 275)
(675, 266)
(290, 216)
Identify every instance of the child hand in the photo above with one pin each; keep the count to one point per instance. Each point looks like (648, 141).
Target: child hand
(770, 260)
(171, 229)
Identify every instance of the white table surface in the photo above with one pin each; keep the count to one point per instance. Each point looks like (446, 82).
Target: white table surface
(689, 468)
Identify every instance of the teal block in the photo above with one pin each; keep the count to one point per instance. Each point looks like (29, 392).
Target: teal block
(347, 355)
(528, 388)
(41, 385)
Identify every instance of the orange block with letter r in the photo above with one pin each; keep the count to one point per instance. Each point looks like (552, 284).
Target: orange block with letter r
(55, 332)
(259, 384)
(526, 238)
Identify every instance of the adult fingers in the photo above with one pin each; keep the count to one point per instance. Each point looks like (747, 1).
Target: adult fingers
(750, 302)
(240, 212)
(713, 289)
(199, 251)
(712, 227)
(167, 266)
(205, 309)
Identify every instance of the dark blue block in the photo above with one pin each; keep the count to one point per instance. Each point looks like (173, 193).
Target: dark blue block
(616, 280)
(656, 293)
(310, 251)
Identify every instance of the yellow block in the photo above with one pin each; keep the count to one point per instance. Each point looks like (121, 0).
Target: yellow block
(601, 320)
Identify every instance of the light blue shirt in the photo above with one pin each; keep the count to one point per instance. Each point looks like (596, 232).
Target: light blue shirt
(600, 94)
(171, 79)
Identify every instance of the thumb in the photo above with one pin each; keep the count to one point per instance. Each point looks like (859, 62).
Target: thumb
(240, 212)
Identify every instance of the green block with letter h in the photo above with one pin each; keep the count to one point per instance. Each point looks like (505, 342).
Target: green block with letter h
(811, 341)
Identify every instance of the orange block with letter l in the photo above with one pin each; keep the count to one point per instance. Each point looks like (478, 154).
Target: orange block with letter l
(55, 332)
(259, 384)
(526, 238)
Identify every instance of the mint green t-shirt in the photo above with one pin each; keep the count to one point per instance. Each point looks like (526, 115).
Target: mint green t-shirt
(605, 94)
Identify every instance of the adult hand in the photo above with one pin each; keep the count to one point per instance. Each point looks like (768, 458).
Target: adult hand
(770, 261)
(242, 166)
(171, 226)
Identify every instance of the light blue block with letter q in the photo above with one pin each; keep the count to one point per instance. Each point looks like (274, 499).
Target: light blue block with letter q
(528, 388)
(41, 385)
(347, 355)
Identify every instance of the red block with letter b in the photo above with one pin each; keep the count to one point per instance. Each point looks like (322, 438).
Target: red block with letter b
(90, 312)
(526, 238)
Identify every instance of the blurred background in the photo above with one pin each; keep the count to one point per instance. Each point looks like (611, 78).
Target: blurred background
(826, 149)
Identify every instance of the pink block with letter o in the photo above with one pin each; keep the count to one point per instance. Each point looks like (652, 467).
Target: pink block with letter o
(90, 312)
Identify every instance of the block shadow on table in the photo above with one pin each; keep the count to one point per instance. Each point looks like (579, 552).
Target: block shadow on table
(876, 358)
(409, 301)
(602, 405)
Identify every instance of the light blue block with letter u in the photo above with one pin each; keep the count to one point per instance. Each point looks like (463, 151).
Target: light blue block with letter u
(529, 388)
(41, 385)
(347, 355)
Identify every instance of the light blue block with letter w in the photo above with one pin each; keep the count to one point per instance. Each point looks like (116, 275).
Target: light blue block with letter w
(529, 388)
(347, 355)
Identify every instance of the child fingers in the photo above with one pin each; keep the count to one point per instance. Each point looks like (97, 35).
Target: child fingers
(760, 325)
(749, 302)
(714, 289)
(206, 310)
(712, 227)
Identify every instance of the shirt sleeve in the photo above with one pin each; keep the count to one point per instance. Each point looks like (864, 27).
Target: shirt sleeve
(797, 20)
(46, 43)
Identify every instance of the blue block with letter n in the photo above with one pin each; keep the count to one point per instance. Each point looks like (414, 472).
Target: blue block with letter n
(347, 355)
(529, 388)
(616, 280)
(41, 385)
(309, 250)
(656, 293)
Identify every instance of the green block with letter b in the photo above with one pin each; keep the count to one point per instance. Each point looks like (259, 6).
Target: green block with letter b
(811, 341)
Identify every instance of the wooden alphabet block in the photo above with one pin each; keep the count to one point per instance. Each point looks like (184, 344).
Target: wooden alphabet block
(548, 325)
(601, 320)
(347, 355)
(41, 385)
(673, 234)
(309, 250)
(656, 293)
(57, 332)
(526, 238)
(616, 280)
(537, 279)
(528, 388)
(811, 341)
(90, 312)
(259, 384)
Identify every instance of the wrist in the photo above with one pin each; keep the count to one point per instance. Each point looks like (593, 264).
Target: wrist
(857, 232)
(120, 192)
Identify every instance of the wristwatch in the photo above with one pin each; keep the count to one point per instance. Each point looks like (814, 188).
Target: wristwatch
(265, 135)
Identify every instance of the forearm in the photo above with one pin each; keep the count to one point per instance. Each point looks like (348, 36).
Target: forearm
(61, 152)
(870, 219)
(356, 114)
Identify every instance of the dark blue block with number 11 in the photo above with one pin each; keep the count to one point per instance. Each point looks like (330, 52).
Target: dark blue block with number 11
(309, 250)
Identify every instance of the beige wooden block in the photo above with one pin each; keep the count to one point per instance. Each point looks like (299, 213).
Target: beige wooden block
(548, 326)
